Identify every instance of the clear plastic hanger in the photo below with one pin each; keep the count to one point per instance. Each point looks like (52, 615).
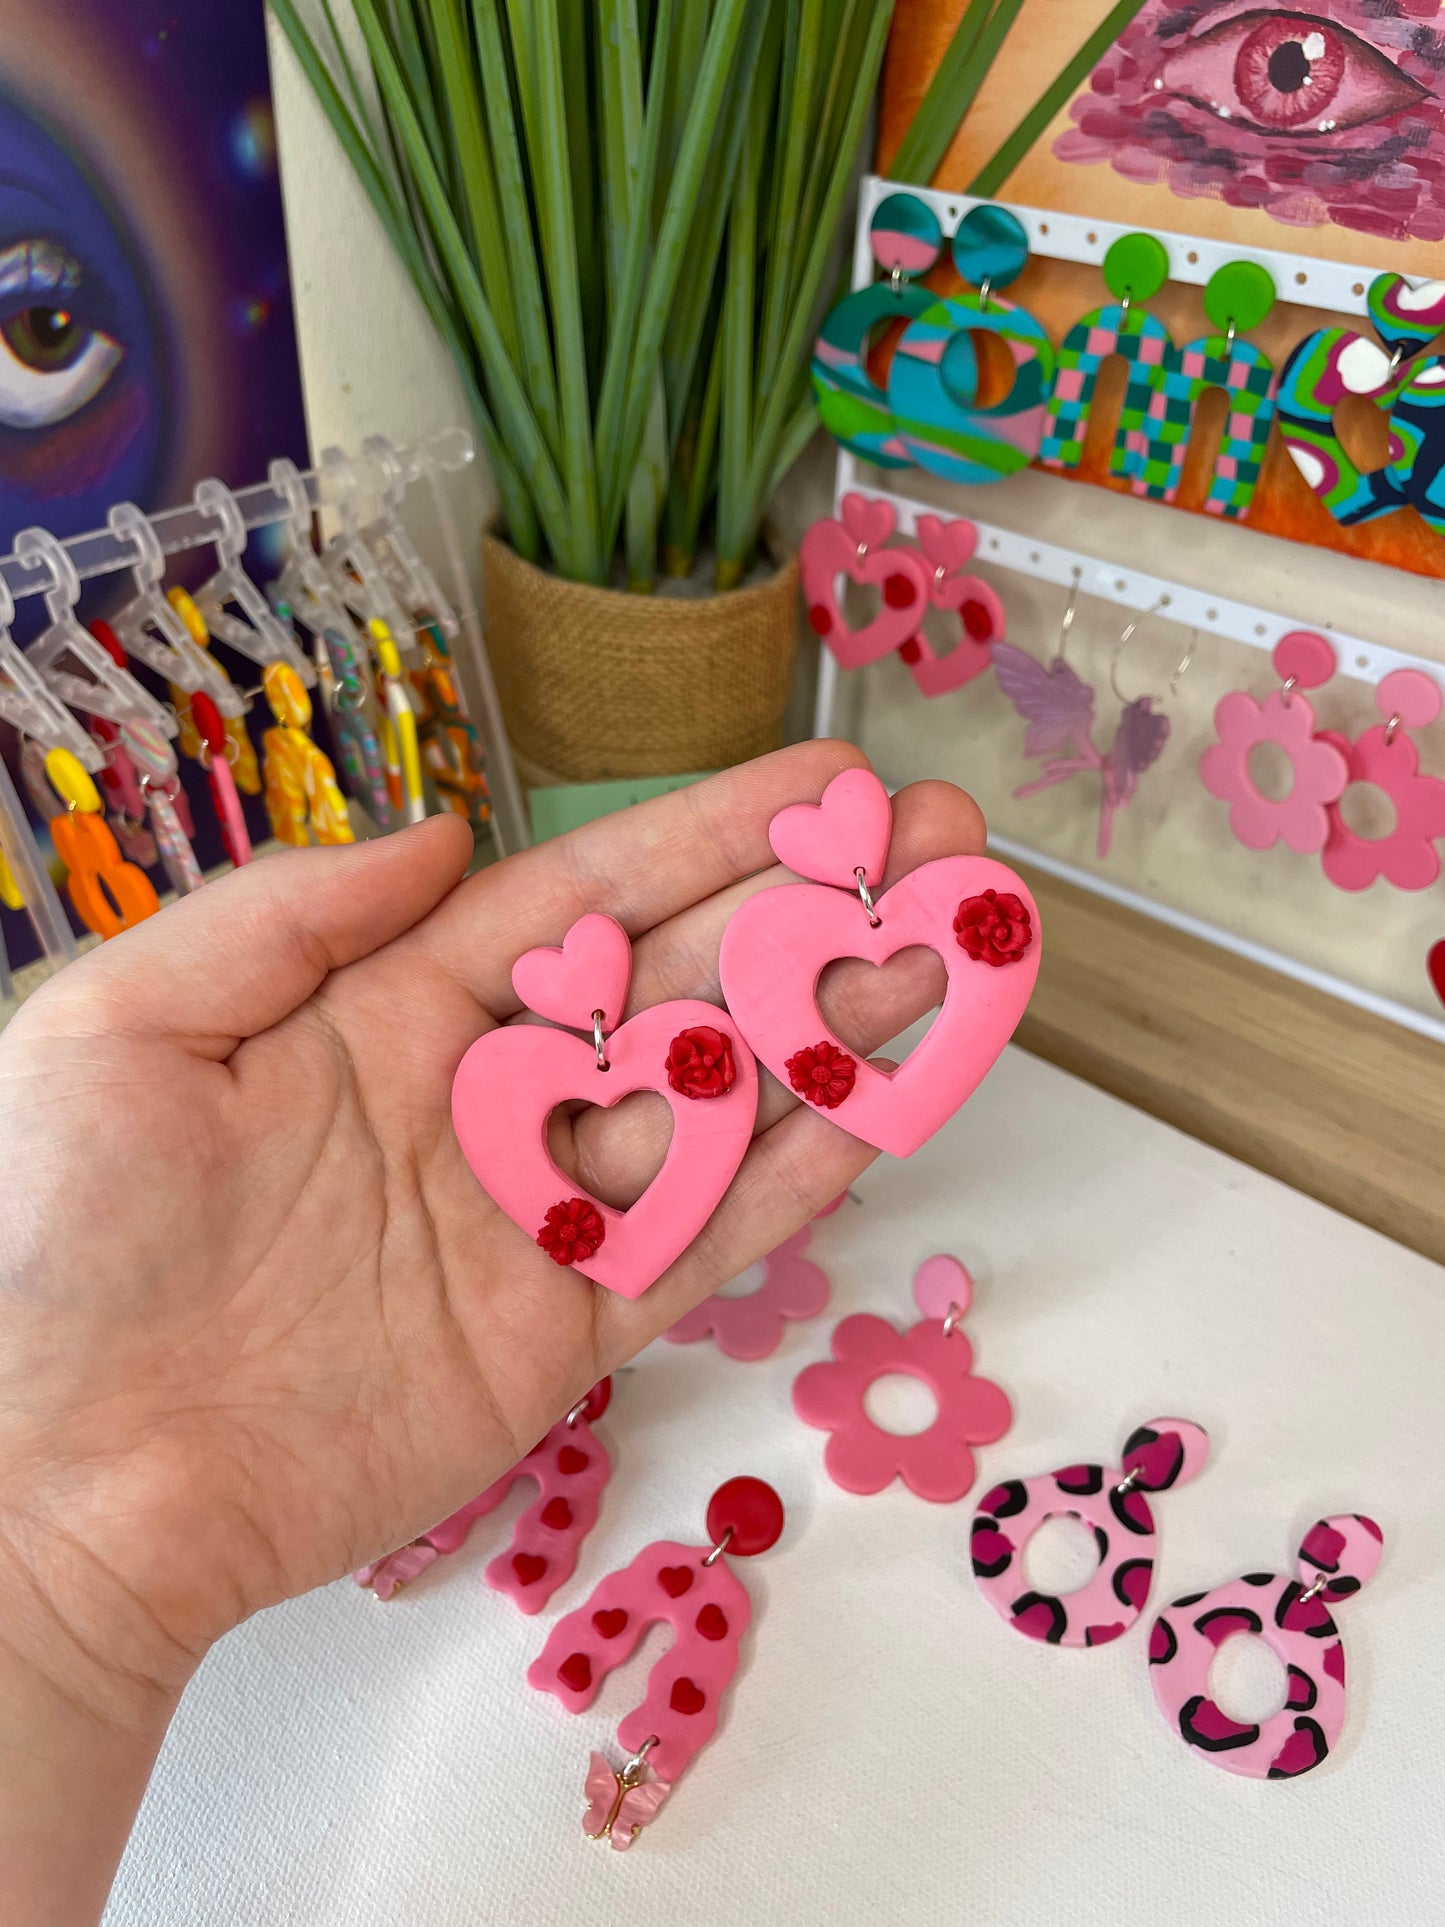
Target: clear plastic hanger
(41, 901)
(395, 552)
(304, 581)
(260, 636)
(150, 628)
(107, 690)
(358, 577)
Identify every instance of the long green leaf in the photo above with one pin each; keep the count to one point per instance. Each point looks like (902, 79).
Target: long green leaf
(937, 118)
(796, 118)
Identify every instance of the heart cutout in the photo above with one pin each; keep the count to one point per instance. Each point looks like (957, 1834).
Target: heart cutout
(777, 944)
(826, 552)
(511, 1080)
(850, 829)
(590, 971)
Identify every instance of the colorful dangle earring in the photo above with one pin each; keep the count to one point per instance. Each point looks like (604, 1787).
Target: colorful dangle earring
(937, 1464)
(1318, 771)
(344, 676)
(1337, 1556)
(570, 1467)
(106, 893)
(946, 547)
(511, 1080)
(400, 742)
(155, 764)
(906, 241)
(1406, 699)
(452, 750)
(1136, 267)
(971, 910)
(692, 1589)
(852, 547)
(934, 380)
(118, 781)
(1109, 1500)
(301, 794)
(245, 766)
(217, 748)
(749, 1326)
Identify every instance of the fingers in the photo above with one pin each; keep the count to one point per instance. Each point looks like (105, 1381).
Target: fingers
(236, 957)
(642, 866)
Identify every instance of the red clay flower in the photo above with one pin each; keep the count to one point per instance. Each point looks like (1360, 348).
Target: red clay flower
(572, 1230)
(700, 1062)
(822, 1074)
(995, 928)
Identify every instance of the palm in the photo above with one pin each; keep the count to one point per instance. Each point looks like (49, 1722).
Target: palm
(281, 1328)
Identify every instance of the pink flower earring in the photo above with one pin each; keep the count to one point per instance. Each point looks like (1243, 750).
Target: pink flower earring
(570, 1467)
(510, 1081)
(1406, 699)
(974, 912)
(946, 547)
(852, 546)
(1337, 1556)
(692, 1589)
(1110, 1500)
(1318, 769)
(937, 1464)
(750, 1327)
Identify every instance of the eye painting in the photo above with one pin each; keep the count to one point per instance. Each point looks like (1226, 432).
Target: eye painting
(1333, 115)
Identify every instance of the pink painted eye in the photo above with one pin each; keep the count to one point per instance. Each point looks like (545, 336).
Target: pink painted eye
(1287, 73)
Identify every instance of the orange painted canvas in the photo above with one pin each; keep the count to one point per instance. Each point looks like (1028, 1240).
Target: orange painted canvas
(1317, 133)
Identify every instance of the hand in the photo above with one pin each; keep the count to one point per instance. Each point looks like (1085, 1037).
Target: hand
(259, 1324)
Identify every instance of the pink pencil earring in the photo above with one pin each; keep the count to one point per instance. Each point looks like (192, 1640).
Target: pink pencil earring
(1318, 770)
(570, 1467)
(692, 1589)
(937, 1464)
(1406, 699)
(946, 547)
(1109, 1500)
(512, 1079)
(1337, 1556)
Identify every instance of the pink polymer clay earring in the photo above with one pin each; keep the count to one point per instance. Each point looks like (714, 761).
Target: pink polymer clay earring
(511, 1080)
(852, 546)
(692, 1589)
(570, 1467)
(974, 912)
(1110, 1500)
(938, 1463)
(1337, 1556)
(946, 547)
(1318, 770)
(1407, 857)
(750, 1327)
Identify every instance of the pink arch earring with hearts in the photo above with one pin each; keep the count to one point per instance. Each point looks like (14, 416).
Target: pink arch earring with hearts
(976, 913)
(511, 1080)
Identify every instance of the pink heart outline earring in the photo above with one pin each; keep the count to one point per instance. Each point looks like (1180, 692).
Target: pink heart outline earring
(970, 909)
(571, 1467)
(512, 1079)
(863, 1457)
(1384, 755)
(1337, 1556)
(693, 1589)
(1318, 770)
(947, 546)
(1110, 1500)
(852, 545)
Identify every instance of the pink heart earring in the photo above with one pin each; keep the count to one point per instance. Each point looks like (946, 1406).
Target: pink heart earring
(512, 1079)
(974, 912)
(852, 546)
(570, 1467)
(1110, 1500)
(1337, 1556)
(1318, 771)
(692, 1589)
(946, 547)
(937, 1464)
(1406, 699)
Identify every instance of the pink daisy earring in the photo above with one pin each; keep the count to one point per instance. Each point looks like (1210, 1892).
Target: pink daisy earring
(750, 1326)
(1385, 756)
(1318, 769)
(938, 1463)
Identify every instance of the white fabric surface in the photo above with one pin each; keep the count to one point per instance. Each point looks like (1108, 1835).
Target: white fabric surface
(891, 1752)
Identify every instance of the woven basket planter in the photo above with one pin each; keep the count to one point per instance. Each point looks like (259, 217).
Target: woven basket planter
(598, 683)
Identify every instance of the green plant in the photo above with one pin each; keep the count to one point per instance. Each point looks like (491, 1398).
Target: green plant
(618, 214)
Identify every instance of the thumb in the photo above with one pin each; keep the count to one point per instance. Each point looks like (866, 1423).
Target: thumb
(236, 957)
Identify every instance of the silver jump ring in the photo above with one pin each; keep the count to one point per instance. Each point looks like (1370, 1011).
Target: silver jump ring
(578, 1410)
(720, 1548)
(984, 288)
(632, 1769)
(1318, 1587)
(1229, 337)
(1390, 729)
(602, 1063)
(953, 1318)
(895, 279)
(1129, 1481)
(1124, 304)
(1289, 684)
(866, 896)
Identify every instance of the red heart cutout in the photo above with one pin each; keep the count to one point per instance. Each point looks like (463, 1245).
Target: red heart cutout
(711, 1623)
(686, 1697)
(610, 1623)
(576, 1672)
(529, 1567)
(1435, 964)
(557, 1515)
(570, 1461)
(675, 1580)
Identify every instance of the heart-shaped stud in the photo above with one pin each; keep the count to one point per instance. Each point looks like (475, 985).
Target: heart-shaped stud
(947, 542)
(675, 1580)
(829, 550)
(610, 1622)
(590, 971)
(848, 831)
(687, 1697)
